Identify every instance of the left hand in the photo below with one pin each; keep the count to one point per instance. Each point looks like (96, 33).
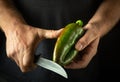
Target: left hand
(87, 46)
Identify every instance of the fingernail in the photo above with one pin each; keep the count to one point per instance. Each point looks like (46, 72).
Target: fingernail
(79, 46)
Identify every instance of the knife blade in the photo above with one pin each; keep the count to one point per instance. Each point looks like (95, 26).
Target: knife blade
(52, 66)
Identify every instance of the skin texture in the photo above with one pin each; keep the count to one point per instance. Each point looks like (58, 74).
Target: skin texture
(21, 48)
(22, 39)
(100, 24)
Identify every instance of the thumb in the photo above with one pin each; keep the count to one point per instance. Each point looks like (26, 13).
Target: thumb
(83, 42)
(49, 33)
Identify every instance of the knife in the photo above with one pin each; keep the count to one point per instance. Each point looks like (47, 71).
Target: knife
(52, 66)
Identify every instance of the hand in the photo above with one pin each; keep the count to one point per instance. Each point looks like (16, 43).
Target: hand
(22, 42)
(87, 46)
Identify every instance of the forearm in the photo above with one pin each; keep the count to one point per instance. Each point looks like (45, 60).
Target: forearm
(107, 15)
(9, 16)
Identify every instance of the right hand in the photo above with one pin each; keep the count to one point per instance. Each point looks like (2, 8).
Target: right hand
(22, 42)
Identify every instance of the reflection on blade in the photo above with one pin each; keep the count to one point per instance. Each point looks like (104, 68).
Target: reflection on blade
(50, 65)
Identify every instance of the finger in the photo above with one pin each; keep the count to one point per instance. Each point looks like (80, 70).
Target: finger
(49, 33)
(86, 58)
(89, 36)
(15, 59)
(26, 62)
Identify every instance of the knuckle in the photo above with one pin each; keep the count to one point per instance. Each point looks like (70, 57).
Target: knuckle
(24, 70)
(10, 55)
(84, 41)
(51, 33)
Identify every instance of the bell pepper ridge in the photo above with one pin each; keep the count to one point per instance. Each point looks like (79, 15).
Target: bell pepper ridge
(64, 50)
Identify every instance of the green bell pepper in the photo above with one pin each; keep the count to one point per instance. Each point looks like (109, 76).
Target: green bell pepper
(64, 50)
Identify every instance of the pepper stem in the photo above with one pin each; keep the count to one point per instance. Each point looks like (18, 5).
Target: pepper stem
(79, 22)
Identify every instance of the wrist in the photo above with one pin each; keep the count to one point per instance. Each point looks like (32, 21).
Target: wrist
(10, 18)
(12, 26)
